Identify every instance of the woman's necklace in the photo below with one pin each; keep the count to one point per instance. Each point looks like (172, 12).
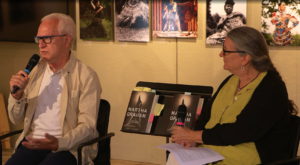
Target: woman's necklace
(240, 88)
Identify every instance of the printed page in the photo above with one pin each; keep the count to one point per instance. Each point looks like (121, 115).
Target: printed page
(192, 155)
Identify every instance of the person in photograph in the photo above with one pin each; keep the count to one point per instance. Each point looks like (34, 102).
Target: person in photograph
(282, 35)
(247, 120)
(174, 16)
(167, 9)
(190, 16)
(57, 103)
(226, 23)
(96, 27)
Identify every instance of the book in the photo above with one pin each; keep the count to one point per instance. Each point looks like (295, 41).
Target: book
(188, 102)
(199, 108)
(138, 111)
(159, 123)
(151, 117)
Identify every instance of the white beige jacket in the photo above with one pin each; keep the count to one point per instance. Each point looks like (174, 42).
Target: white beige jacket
(79, 107)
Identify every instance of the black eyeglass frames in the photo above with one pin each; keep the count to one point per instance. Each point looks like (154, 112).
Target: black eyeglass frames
(225, 51)
(46, 39)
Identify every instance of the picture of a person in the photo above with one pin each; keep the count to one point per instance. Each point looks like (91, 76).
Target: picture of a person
(282, 35)
(174, 15)
(190, 16)
(226, 23)
(167, 10)
(96, 28)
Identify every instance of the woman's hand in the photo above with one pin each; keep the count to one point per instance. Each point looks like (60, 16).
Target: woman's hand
(187, 143)
(183, 133)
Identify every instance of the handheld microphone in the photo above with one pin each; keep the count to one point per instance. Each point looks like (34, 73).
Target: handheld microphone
(181, 114)
(31, 64)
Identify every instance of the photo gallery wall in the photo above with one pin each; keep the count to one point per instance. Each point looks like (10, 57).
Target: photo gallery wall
(129, 20)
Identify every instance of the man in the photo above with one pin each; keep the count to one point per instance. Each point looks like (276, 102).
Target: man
(226, 23)
(58, 101)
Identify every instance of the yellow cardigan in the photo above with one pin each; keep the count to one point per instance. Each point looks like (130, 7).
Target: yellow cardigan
(225, 108)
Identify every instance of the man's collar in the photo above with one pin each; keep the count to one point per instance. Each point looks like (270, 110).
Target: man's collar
(70, 64)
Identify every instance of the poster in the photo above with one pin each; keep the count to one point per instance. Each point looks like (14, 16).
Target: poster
(175, 18)
(223, 16)
(132, 20)
(96, 19)
(280, 22)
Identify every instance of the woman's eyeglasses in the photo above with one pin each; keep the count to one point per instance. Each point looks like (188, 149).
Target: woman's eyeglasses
(225, 51)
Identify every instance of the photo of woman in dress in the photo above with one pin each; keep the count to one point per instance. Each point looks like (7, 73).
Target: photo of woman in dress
(282, 34)
(279, 23)
(97, 16)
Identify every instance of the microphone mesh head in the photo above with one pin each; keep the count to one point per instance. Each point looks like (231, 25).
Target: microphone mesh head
(32, 62)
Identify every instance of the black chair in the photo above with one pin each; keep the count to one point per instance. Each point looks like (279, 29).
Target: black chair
(294, 143)
(103, 156)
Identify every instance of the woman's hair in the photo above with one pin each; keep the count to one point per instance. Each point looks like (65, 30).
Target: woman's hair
(279, 4)
(252, 42)
(231, 2)
(66, 24)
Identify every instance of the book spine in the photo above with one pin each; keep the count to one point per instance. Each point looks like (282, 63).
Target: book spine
(151, 115)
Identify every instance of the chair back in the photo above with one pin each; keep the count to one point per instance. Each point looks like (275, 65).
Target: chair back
(295, 136)
(103, 156)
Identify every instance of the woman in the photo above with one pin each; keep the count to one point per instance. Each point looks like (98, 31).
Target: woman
(248, 118)
(174, 15)
(96, 28)
(282, 34)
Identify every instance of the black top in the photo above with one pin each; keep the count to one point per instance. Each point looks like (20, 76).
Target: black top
(265, 120)
(98, 15)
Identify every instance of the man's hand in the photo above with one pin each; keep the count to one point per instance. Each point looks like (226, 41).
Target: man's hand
(49, 143)
(21, 80)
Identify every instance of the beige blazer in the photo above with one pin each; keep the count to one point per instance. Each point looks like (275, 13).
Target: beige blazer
(79, 107)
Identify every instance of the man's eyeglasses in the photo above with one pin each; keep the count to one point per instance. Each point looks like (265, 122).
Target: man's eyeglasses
(46, 39)
(225, 51)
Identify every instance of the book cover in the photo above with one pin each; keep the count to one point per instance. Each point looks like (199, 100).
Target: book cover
(188, 102)
(161, 120)
(138, 111)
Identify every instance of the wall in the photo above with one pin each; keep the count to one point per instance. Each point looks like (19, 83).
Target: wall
(120, 65)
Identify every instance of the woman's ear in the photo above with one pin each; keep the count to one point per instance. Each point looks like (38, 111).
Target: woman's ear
(246, 59)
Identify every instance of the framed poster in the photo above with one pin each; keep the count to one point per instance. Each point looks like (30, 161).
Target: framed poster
(175, 18)
(132, 20)
(96, 19)
(280, 22)
(222, 16)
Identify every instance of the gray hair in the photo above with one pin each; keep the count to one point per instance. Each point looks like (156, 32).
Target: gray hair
(66, 24)
(253, 43)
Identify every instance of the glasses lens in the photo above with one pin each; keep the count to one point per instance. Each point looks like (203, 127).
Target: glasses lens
(223, 49)
(47, 40)
(37, 40)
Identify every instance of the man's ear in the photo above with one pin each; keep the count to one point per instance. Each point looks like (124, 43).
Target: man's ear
(68, 40)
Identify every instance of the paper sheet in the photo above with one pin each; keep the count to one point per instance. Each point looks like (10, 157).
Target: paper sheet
(158, 108)
(193, 155)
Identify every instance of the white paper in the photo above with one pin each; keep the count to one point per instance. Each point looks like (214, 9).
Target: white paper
(192, 155)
